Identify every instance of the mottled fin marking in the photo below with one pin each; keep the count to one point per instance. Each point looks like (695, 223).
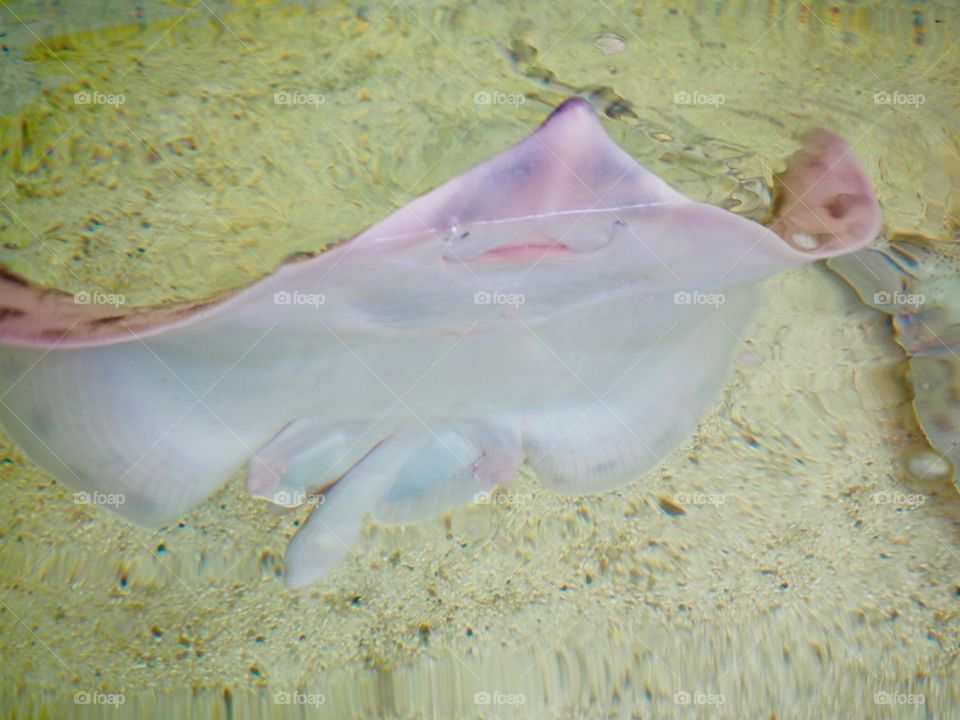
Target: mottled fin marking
(32, 315)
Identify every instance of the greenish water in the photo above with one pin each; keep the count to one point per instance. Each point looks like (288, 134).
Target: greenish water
(145, 153)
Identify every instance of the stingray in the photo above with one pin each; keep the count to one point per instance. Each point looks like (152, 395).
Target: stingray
(557, 305)
(915, 282)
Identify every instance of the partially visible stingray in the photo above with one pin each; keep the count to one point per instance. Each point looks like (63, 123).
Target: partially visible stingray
(917, 286)
(557, 304)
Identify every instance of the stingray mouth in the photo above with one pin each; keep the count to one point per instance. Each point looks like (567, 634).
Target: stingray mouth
(525, 248)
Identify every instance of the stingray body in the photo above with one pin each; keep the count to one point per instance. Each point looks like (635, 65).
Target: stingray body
(557, 304)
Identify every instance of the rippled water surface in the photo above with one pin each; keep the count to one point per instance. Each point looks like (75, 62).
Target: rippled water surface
(781, 564)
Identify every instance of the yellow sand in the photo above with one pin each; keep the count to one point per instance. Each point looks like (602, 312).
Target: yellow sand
(807, 574)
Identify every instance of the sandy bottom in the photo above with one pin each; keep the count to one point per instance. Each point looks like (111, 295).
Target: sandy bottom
(804, 571)
(781, 564)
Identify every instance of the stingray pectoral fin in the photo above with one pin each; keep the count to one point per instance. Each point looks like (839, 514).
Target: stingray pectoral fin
(40, 317)
(118, 425)
(645, 404)
(824, 204)
(36, 316)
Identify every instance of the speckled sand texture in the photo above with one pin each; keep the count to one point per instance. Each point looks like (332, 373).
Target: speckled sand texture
(781, 562)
